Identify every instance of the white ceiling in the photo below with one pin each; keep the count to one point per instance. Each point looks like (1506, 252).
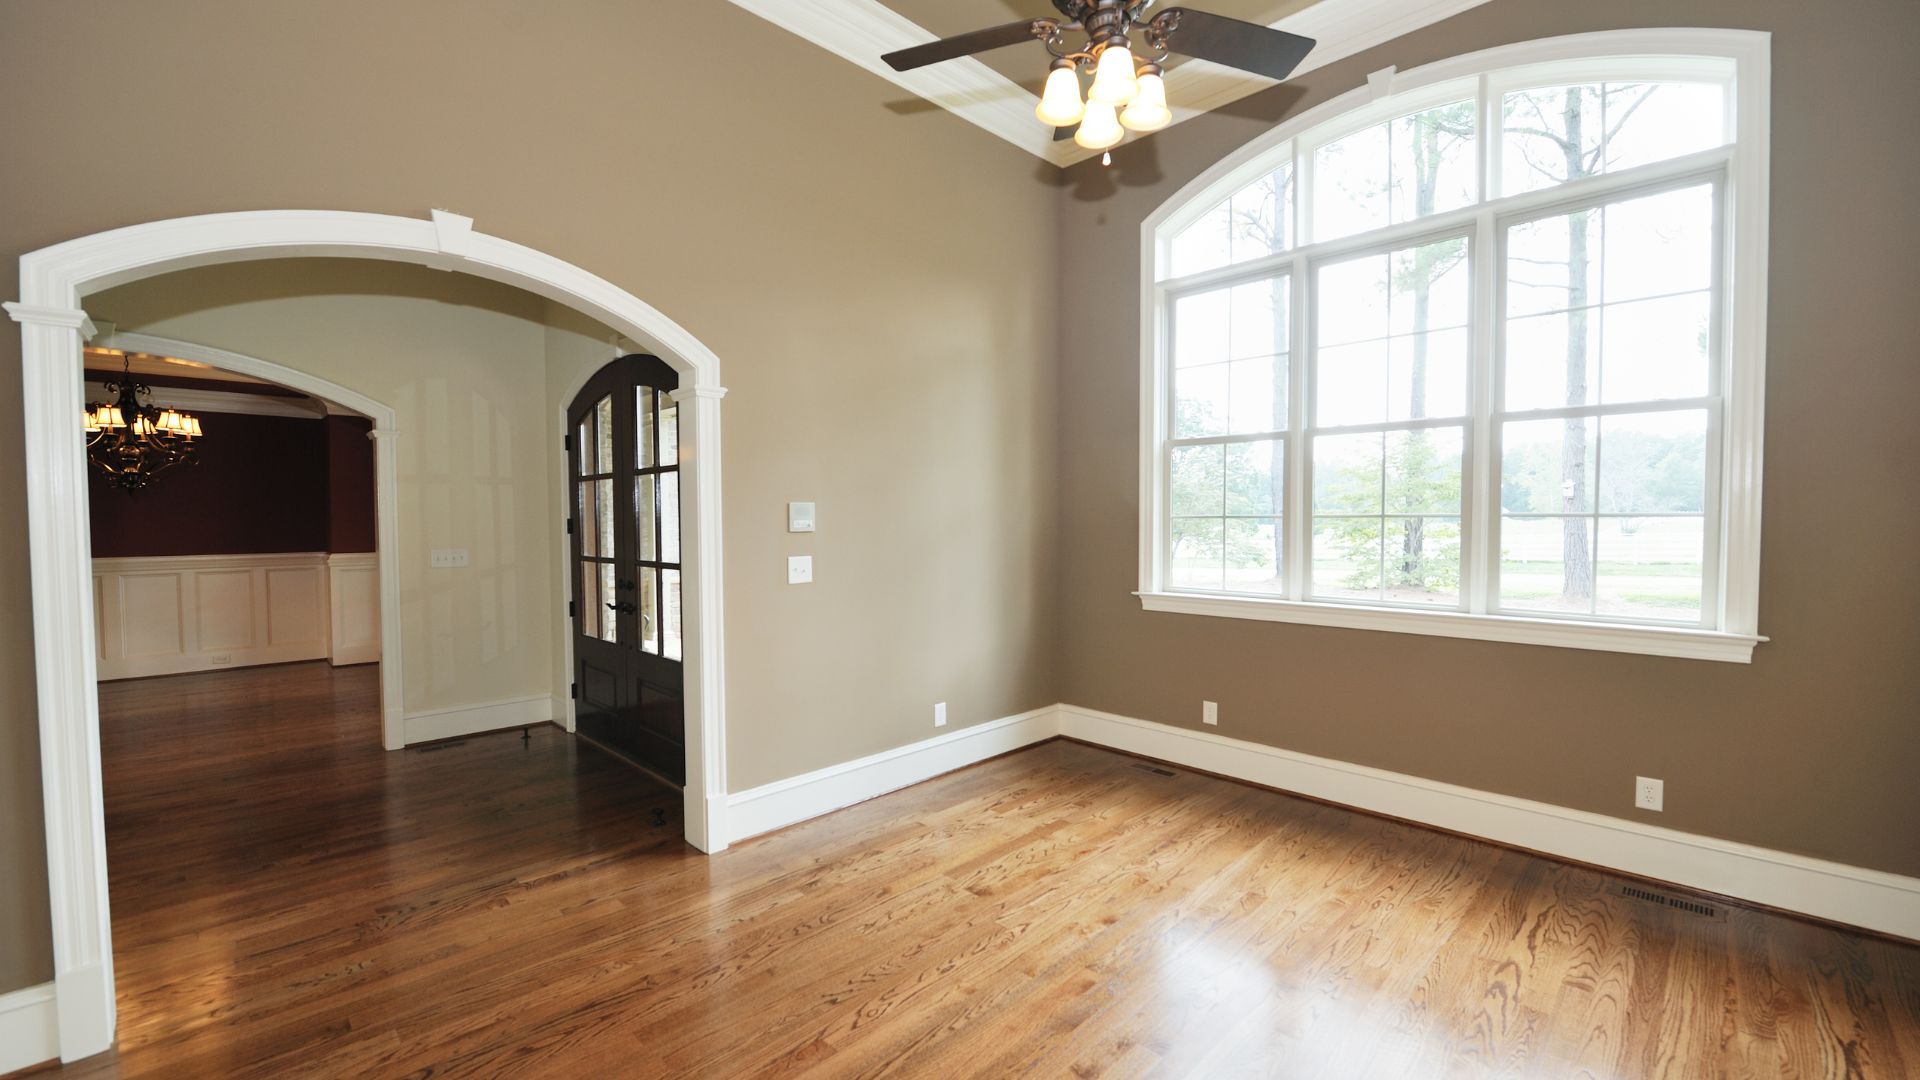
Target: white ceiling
(985, 91)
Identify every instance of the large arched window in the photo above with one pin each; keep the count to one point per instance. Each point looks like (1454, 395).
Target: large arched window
(1476, 350)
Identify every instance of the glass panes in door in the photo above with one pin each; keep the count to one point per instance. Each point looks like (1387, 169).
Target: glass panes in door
(657, 520)
(594, 513)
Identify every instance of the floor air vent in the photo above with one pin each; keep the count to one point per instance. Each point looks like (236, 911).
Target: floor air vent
(1154, 769)
(431, 747)
(1676, 902)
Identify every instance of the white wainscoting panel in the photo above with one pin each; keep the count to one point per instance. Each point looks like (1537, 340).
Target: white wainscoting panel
(353, 596)
(29, 1028)
(164, 615)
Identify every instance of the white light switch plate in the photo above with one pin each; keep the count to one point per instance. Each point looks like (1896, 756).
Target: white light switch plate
(799, 569)
(799, 517)
(447, 557)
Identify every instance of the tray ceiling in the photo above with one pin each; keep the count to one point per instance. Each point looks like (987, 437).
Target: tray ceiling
(998, 90)
(1027, 64)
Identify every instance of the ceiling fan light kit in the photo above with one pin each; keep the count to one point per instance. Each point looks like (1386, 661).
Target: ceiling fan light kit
(1126, 93)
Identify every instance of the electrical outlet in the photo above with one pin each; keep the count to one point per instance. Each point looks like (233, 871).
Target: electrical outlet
(444, 558)
(799, 569)
(220, 659)
(1209, 713)
(940, 714)
(1648, 793)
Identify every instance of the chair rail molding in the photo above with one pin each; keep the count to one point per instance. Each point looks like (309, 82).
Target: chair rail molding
(53, 325)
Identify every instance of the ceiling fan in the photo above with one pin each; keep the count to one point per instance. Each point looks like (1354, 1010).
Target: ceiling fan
(1124, 94)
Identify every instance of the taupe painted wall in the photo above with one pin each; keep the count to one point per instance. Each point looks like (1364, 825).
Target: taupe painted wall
(1812, 749)
(877, 281)
(875, 277)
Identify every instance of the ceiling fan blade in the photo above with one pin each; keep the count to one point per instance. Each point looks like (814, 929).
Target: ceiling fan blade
(1244, 45)
(967, 44)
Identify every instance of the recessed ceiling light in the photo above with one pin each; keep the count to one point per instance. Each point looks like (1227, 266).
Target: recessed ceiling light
(184, 363)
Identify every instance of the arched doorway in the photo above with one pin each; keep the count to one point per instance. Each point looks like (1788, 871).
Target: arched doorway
(54, 327)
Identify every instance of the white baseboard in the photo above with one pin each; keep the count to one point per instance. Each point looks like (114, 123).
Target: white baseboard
(29, 1028)
(1853, 895)
(451, 723)
(783, 802)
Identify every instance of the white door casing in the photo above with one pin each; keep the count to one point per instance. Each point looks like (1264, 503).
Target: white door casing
(53, 326)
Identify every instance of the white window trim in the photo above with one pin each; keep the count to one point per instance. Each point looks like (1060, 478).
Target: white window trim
(1744, 166)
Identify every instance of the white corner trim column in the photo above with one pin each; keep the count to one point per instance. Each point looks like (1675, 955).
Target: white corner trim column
(705, 794)
(386, 547)
(64, 669)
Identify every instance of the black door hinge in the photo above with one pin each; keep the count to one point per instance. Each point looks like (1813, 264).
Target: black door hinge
(569, 526)
(566, 442)
(576, 691)
(569, 609)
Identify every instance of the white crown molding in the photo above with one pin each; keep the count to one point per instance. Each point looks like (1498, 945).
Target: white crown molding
(188, 399)
(861, 31)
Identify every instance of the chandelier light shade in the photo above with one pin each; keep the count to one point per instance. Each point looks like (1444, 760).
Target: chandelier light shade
(1148, 110)
(130, 440)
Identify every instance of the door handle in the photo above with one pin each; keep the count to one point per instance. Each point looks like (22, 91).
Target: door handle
(624, 607)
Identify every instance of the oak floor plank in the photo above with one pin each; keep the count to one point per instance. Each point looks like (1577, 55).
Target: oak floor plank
(289, 900)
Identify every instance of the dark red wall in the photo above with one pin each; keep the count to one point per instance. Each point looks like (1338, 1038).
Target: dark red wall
(259, 485)
(350, 502)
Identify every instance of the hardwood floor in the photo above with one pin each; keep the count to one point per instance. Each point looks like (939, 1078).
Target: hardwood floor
(289, 900)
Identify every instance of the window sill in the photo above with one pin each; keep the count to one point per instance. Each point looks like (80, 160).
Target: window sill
(1558, 633)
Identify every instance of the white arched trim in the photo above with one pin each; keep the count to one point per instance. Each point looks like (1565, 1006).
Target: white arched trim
(386, 471)
(1741, 58)
(53, 282)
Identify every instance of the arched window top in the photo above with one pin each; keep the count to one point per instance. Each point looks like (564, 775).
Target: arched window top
(1475, 350)
(1457, 134)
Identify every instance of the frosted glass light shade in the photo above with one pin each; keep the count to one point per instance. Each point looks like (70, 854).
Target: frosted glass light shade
(1113, 79)
(1148, 110)
(1060, 99)
(1099, 128)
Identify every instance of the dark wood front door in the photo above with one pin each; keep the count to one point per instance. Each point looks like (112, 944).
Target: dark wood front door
(623, 448)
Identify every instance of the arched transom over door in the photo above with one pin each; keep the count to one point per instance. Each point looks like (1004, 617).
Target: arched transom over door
(623, 448)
